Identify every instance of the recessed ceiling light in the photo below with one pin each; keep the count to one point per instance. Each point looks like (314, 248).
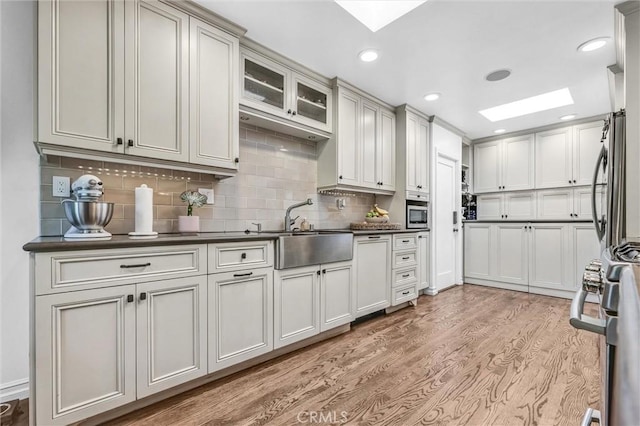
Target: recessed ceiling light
(368, 55)
(591, 45)
(379, 13)
(568, 117)
(432, 97)
(530, 105)
(498, 75)
(499, 131)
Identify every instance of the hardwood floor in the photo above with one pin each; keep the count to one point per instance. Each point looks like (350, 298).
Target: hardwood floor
(471, 355)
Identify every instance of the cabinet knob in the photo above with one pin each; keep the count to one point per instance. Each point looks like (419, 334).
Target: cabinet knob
(236, 160)
(340, 177)
(130, 142)
(288, 111)
(381, 183)
(574, 181)
(569, 181)
(243, 256)
(318, 272)
(324, 271)
(502, 216)
(119, 141)
(506, 216)
(293, 113)
(143, 296)
(129, 298)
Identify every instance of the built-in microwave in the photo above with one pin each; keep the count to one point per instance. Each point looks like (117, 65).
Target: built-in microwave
(417, 214)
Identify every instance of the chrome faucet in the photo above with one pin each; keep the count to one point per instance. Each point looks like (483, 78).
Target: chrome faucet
(287, 217)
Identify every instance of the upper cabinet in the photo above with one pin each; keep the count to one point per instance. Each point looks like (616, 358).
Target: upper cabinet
(139, 78)
(361, 154)
(504, 165)
(567, 156)
(277, 89)
(413, 150)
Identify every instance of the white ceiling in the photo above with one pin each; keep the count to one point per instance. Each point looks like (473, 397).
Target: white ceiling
(448, 47)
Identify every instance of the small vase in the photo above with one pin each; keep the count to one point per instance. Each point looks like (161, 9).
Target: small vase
(188, 224)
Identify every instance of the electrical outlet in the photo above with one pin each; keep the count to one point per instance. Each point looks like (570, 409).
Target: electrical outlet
(61, 186)
(208, 192)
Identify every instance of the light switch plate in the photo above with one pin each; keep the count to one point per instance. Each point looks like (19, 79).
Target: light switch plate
(61, 186)
(208, 192)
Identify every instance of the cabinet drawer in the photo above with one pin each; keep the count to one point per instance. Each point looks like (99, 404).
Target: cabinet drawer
(66, 271)
(403, 294)
(402, 259)
(236, 256)
(404, 277)
(405, 241)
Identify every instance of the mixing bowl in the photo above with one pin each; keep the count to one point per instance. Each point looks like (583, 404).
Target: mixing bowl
(88, 216)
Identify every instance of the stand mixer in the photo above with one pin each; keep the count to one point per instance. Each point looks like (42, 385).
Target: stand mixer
(87, 215)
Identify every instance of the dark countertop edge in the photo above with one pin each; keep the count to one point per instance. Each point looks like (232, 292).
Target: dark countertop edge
(527, 221)
(52, 244)
(387, 231)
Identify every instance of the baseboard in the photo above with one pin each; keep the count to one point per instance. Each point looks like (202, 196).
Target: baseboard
(18, 389)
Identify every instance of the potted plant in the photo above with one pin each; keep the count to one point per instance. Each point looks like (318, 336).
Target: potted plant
(191, 223)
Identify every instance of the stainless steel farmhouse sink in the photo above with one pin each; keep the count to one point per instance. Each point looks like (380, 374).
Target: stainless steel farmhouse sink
(312, 248)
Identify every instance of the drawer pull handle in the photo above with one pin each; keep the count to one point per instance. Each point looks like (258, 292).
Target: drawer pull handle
(143, 296)
(405, 258)
(248, 274)
(404, 293)
(140, 265)
(243, 256)
(405, 275)
(405, 241)
(375, 237)
(129, 298)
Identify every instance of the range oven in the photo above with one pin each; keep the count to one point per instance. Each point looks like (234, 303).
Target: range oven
(417, 214)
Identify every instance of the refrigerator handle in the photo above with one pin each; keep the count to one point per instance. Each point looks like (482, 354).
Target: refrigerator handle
(584, 322)
(594, 183)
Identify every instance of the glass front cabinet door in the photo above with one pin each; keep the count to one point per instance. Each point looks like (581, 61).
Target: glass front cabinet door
(273, 88)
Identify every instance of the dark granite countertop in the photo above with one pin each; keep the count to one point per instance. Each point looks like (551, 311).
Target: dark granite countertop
(49, 244)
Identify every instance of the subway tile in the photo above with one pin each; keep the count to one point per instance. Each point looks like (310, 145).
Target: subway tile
(51, 211)
(119, 196)
(234, 202)
(80, 163)
(172, 185)
(247, 168)
(51, 227)
(112, 167)
(131, 182)
(163, 226)
(206, 177)
(49, 161)
(274, 205)
(235, 225)
(254, 136)
(209, 225)
(171, 212)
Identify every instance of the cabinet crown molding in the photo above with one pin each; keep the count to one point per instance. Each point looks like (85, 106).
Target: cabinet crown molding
(409, 108)
(338, 82)
(194, 9)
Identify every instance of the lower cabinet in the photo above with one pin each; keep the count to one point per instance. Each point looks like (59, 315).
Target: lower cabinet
(423, 260)
(102, 348)
(240, 316)
(372, 272)
(546, 258)
(311, 300)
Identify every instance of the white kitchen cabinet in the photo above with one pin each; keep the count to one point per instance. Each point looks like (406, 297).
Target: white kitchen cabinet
(478, 246)
(416, 140)
(511, 253)
(567, 156)
(504, 165)
(550, 262)
(336, 295)
(296, 304)
(85, 354)
(423, 260)
(567, 203)
(214, 131)
(114, 77)
(582, 202)
(277, 89)
(519, 205)
(240, 323)
(171, 333)
(372, 271)
(361, 154)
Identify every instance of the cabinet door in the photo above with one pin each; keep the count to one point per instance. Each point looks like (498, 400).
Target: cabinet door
(423, 260)
(487, 164)
(413, 151)
(349, 142)
(336, 295)
(240, 316)
(157, 81)
(586, 147)
(553, 158)
(519, 205)
(296, 305)
(372, 262)
(387, 151)
(489, 207)
(550, 257)
(370, 144)
(586, 247)
(85, 353)
(517, 163)
(171, 333)
(582, 202)
(555, 204)
(422, 156)
(213, 126)
(312, 103)
(478, 246)
(265, 84)
(511, 254)
(80, 74)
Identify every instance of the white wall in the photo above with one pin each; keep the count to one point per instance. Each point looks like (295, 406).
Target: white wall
(19, 191)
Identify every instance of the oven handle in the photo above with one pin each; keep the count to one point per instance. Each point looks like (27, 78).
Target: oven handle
(584, 322)
(591, 416)
(594, 182)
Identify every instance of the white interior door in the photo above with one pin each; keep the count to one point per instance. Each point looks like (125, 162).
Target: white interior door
(445, 205)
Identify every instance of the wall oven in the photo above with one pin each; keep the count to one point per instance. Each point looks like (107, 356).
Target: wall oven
(417, 214)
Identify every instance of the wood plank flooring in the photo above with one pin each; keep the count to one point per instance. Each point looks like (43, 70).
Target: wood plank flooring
(470, 356)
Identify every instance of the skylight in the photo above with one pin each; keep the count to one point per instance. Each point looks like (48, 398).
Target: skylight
(378, 13)
(530, 105)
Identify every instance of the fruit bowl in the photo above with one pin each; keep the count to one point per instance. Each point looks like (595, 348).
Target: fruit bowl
(376, 219)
